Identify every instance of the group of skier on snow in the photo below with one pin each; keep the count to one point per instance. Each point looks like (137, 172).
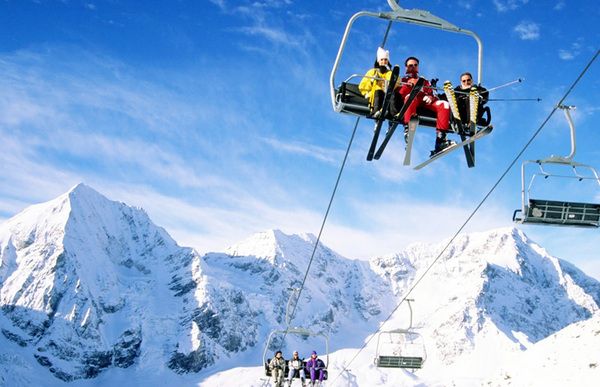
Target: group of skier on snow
(373, 88)
(297, 368)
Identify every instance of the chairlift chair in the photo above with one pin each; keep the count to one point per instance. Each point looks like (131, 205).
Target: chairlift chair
(347, 98)
(404, 348)
(298, 331)
(556, 212)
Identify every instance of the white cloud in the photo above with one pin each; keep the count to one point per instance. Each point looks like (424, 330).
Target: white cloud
(331, 156)
(220, 3)
(509, 5)
(571, 52)
(565, 55)
(528, 30)
(269, 33)
(466, 4)
(560, 5)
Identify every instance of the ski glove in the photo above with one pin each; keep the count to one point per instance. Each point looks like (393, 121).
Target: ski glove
(427, 99)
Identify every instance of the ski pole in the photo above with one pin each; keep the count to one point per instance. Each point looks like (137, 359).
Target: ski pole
(515, 99)
(518, 80)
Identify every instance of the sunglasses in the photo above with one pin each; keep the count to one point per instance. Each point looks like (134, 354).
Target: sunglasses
(412, 65)
(466, 80)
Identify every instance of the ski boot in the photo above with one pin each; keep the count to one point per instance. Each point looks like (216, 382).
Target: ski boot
(441, 143)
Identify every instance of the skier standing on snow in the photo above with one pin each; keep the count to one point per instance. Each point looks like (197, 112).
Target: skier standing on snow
(277, 367)
(425, 99)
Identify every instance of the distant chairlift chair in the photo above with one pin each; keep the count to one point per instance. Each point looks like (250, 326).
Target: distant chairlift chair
(404, 348)
(298, 331)
(554, 212)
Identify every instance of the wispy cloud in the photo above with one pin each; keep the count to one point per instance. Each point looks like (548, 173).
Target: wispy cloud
(466, 4)
(509, 5)
(571, 52)
(565, 55)
(527, 30)
(219, 3)
(559, 5)
(272, 34)
(331, 156)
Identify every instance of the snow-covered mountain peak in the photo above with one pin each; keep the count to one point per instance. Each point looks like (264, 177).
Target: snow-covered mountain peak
(276, 247)
(76, 274)
(263, 245)
(88, 284)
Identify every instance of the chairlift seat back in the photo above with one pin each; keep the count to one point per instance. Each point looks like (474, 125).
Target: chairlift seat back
(350, 100)
(413, 362)
(561, 213)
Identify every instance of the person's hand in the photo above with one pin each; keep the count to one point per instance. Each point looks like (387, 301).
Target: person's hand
(427, 99)
(412, 81)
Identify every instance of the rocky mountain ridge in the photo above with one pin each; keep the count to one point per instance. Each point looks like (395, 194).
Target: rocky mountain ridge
(89, 285)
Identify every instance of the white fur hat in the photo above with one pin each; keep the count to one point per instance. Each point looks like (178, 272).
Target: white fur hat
(381, 53)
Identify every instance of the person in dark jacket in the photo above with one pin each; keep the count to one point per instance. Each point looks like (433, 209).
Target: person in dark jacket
(462, 93)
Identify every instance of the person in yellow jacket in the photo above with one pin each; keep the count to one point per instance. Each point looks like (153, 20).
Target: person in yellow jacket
(372, 86)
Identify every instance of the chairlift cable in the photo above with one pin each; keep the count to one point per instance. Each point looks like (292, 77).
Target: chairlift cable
(512, 163)
(312, 256)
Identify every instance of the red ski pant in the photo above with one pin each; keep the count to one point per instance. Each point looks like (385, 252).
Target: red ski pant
(441, 109)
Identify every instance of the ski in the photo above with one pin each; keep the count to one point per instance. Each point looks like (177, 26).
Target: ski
(451, 97)
(412, 128)
(386, 139)
(469, 151)
(384, 111)
(400, 116)
(473, 104)
(481, 133)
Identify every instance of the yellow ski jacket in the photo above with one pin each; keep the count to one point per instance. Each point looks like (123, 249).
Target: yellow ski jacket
(368, 85)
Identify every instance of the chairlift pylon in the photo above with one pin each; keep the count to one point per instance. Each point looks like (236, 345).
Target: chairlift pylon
(555, 212)
(347, 98)
(404, 348)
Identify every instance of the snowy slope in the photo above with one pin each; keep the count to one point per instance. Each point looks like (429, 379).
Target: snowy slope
(570, 357)
(489, 296)
(90, 288)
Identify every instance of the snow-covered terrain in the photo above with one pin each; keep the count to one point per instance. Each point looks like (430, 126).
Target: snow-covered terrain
(93, 293)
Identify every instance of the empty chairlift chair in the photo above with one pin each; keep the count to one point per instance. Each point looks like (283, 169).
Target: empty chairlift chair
(558, 212)
(400, 348)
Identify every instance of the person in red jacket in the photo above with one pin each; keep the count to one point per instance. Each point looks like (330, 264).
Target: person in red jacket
(428, 100)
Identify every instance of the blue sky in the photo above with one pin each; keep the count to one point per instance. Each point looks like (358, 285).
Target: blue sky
(215, 117)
